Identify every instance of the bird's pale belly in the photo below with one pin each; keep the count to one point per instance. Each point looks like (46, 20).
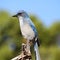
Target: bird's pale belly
(27, 32)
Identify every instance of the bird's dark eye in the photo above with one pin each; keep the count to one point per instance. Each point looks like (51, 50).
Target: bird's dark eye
(19, 13)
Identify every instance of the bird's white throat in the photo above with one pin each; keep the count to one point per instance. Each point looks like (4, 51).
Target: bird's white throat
(21, 20)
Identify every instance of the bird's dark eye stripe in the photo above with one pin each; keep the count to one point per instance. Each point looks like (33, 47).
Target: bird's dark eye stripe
(19, 13)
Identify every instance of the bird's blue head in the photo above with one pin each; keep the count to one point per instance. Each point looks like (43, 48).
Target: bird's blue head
(21, 13)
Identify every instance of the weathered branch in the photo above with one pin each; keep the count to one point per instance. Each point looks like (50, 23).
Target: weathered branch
(25, 54)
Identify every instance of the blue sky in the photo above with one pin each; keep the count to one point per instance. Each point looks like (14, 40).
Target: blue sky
(47, 10)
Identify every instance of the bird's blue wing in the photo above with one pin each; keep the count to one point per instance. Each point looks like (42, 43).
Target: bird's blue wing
(33, 27)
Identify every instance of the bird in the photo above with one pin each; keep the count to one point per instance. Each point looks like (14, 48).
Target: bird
(28, 31)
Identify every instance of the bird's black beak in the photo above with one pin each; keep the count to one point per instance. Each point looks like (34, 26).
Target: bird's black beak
(14, 15)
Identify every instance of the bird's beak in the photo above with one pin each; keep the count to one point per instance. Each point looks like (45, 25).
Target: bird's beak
(14, 15)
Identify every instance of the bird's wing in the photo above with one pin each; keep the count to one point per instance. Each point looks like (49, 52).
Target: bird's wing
(34, 29)
(32, 26)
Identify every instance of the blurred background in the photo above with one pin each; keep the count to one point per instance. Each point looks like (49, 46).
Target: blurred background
(45, 14)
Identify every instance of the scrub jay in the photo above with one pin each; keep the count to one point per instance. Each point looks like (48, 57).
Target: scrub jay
(28, 31)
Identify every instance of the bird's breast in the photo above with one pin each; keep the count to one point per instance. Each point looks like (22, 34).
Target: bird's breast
(27, 31)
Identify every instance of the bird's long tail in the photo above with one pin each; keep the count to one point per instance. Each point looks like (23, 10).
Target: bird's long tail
(37, 55)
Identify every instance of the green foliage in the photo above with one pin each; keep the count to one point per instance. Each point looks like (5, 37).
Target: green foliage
(50, 53)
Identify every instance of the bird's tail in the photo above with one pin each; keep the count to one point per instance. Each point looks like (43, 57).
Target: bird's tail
(37, 55)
